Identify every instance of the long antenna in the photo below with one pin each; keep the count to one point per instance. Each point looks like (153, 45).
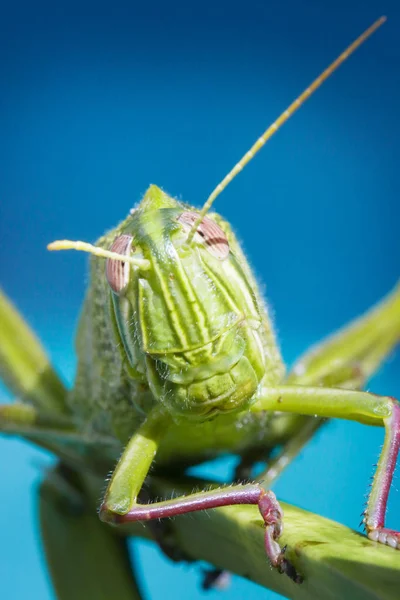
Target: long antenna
(280, 121)
(141, 263)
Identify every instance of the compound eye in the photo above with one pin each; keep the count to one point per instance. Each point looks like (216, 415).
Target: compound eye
(117, 271)
(210, 233)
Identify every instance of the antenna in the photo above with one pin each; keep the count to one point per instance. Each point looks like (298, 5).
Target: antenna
(280, 121)
(141, 263)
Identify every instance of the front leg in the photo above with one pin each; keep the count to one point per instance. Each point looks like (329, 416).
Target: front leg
(120, 504)
(356, 406)
(345, 359)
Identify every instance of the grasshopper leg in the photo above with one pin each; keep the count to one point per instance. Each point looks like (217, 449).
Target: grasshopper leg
(120, 504)
(350, 356)
(57, 433)
(21, 418)
(357, 406)
(345, 359)
(162, 533)
(290, 450)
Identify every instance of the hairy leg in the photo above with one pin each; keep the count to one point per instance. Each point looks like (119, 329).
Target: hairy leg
(345, 359)
(357, 406)
(41, 426)
(120, 504)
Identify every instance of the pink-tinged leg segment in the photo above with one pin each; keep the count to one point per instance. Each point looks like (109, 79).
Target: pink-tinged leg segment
(267, 503)
(374, 518)
(272, 514)
(354, 405)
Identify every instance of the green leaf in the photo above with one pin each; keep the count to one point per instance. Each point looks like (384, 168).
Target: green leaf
(86, 559)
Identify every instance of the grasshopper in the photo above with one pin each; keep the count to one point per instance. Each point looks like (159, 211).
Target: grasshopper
(176, 348)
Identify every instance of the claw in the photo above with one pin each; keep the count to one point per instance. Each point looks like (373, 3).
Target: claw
(288, 569)
(273, 515)
(285, 567)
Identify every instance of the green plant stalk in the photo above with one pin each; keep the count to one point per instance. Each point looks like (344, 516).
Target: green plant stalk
(336, 561)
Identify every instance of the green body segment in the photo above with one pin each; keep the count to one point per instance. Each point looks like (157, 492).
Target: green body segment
(191, 332)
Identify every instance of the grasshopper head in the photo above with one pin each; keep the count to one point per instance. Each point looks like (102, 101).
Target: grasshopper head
(189, 323)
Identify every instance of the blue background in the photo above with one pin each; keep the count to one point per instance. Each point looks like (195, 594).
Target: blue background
(97, 101)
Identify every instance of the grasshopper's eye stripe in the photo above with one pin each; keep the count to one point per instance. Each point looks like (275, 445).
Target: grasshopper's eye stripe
(214, 238)
(117, 272)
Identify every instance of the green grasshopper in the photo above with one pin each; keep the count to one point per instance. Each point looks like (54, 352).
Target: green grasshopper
(177, 357)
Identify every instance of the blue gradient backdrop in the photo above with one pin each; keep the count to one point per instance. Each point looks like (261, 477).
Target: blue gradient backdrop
(99, 100)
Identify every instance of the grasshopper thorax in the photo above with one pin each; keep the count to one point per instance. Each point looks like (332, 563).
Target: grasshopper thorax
(190, 324)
